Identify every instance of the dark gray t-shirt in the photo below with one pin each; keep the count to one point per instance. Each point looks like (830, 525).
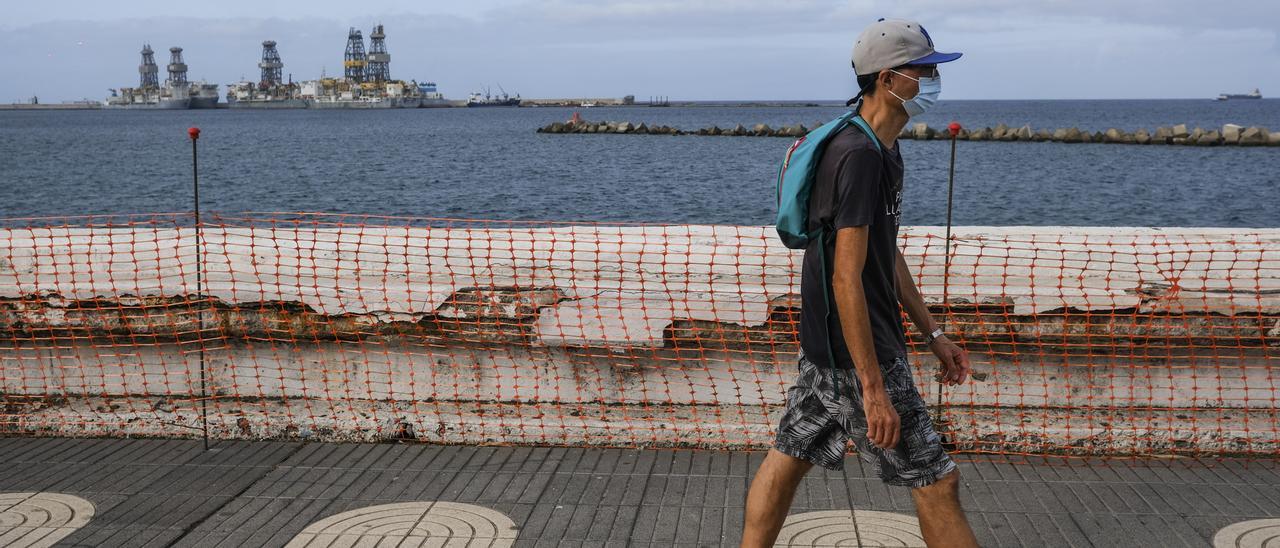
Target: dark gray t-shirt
(856, 185)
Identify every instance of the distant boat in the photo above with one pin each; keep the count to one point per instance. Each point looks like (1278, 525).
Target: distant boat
(490, 100)
(587, 104)
(1255, 95)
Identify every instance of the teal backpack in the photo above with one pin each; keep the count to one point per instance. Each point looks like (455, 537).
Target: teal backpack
(797, 174)
(796, 178)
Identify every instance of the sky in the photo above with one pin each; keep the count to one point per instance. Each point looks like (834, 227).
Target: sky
(683, 49)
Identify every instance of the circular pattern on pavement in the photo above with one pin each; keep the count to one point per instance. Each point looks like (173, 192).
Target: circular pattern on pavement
(836, 528)
(29, 520)
(1256, 533)
(408, 524)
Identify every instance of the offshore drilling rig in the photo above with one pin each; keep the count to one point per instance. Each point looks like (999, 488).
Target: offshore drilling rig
(366, 81)
(271, 90)
(175, 94)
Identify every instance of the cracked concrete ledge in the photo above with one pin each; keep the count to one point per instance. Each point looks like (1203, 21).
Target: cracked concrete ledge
(965, 428)
(626, 286)
(1171, 334)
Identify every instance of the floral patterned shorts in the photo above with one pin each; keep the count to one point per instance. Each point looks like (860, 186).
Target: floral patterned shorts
(824, 411)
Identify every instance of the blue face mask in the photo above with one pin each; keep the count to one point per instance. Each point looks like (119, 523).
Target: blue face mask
(930, 88)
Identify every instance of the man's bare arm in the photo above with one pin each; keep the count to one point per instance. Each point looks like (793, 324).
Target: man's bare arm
(855, 327)
(954, 360)
(910, 297)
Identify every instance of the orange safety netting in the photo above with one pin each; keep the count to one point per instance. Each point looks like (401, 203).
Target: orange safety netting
(317, 326)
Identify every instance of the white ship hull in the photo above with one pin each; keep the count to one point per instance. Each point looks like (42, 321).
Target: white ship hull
(349, 103)
(267, 103)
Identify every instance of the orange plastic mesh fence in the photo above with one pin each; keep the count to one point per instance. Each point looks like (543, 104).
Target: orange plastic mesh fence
(339, 327)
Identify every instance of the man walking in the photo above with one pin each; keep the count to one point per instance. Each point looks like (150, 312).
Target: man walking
(854, 380)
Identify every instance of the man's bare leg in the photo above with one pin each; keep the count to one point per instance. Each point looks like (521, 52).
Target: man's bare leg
(770, 496)
(941, 519)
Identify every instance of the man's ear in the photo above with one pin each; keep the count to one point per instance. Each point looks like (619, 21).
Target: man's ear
(885, 78)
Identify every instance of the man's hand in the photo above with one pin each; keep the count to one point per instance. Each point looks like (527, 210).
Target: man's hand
(882, 419)
(954, 361)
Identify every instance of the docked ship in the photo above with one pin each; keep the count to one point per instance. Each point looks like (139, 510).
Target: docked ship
(270, 91)
(431, 97)
(174, 95)
(366, 81)
(1257, 94)
(490, 100)
(343, 93)
(254, 95)
(204, 95)
(145, 98)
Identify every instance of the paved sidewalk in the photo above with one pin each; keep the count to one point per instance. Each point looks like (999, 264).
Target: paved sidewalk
(172, 493)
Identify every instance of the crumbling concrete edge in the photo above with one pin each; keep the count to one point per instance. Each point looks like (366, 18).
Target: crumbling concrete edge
(989, 430)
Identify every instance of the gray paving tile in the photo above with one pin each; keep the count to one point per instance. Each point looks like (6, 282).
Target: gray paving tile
(577, 526)
(375, 483)
(160, 511)
(535, 525)
(732, 523)
(1206, 501)
(1208, 526)
(643, 529)
(702, 463)
(15, 449)
(121, 537)
(1241, 503)
(204, 480)
(215, 539)
(81, 450)
(1266, 497)
(244, 453)
(1064, 498)
(304, 483)
(593, 522)
(711, 530)
(48, 449)
(88, 477)
(1067, 528)
(990, 531)
(251, 493)
(1173, 531)
(246, 515)
(1026, 532)
(447, 489)
(557, 520)
(1108, 530)
(614, 525)
(527, 489)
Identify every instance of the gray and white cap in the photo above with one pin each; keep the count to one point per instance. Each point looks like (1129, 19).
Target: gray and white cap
(889, 43)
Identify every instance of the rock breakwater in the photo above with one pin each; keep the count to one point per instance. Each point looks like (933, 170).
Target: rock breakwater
(1227, 135)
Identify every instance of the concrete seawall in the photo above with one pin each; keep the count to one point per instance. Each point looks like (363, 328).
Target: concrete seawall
(1084, 340)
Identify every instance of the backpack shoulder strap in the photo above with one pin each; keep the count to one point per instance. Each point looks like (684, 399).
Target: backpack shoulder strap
(866, 128)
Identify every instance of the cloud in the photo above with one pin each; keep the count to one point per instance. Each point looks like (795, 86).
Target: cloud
(691, 49)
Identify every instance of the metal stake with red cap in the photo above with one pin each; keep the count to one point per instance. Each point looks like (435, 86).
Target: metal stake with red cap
(194, 134)
(954, 130)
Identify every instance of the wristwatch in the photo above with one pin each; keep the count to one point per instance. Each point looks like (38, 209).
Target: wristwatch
(928, 339)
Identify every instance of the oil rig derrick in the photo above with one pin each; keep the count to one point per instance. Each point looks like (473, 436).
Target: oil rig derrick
(379, 67)
(272, 67)
(177, 69)
(354, 61)
(148, 72)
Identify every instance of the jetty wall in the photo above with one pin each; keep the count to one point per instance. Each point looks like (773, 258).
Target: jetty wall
(1083, 340)
(1227, 135)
